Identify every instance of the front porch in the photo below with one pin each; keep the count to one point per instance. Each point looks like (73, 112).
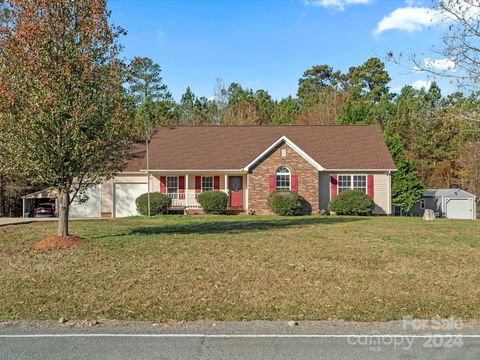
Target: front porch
(189, 200)
(184, 189)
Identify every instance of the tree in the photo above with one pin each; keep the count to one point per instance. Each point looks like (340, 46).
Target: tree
(355, 112)
(265, 106)
(368, 81)
(286, 111)
(155, 104)
(407, 188)
(324, 110)
(460, 49)
(317, 78)
(63, 114)
(145, 80)
(196, 111)
(241, 108)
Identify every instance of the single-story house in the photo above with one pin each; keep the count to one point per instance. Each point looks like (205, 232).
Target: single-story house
(447, 203)
(248, 163)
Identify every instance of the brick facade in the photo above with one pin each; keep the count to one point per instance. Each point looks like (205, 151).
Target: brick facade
(258, 179)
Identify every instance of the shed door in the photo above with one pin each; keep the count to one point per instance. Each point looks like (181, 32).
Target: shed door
(459, 208)
(89, 209)
(125, 196)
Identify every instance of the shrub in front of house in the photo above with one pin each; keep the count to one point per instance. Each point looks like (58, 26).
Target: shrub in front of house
(285, 203)
(213, 202)
(351, 202)
(159, 204)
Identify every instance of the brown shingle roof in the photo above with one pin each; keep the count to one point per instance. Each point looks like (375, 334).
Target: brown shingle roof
(233, 147)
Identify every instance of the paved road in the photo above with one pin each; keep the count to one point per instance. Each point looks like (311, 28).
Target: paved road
(257, 340)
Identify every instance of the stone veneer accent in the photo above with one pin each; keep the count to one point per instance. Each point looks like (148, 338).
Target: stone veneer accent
(258, 179)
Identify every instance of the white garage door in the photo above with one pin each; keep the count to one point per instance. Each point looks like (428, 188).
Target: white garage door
(90, 208)
(459, 209)
(125, 196)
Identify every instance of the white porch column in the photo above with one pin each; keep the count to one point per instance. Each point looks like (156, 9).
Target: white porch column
(226, 183)
(245, 205)
(186, 190)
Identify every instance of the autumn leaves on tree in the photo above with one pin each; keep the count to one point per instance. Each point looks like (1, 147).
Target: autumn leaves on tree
(64, 111)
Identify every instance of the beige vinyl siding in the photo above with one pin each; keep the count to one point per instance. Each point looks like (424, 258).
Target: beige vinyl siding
(107, 197)
(381, 189)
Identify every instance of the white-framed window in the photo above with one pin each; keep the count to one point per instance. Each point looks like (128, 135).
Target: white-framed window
(344, 183)
(282, 178)
(172, 185)
(283, 152)
(422, 204)
(207, 183)
(352, 182)
(360, 183)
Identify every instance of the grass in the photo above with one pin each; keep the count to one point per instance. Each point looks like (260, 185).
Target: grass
(244, 267)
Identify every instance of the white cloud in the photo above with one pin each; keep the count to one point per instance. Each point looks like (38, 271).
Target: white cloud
(336, 4)
(440, 64)
(416, 18)
(408, 19)
(419, 84)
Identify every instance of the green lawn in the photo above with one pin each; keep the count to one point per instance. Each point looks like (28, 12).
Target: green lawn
(244, 267)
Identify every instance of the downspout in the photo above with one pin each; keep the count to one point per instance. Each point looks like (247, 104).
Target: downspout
(389, 193)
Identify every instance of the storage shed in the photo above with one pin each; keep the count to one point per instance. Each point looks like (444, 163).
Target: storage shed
(447, 203)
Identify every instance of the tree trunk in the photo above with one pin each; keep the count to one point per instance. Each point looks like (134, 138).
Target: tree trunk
(64, 200)
(1, 198)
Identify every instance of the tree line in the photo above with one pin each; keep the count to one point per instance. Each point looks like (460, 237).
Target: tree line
(434, 139)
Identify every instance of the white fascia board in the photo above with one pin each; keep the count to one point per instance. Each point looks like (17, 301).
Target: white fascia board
(291, 144)
(359, 170)
(28, 196)
(195, 171)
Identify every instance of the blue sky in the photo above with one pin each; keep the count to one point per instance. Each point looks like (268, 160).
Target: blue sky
(268, 44)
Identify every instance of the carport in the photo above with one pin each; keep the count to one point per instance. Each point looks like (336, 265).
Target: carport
(85, 209)
(30, 201)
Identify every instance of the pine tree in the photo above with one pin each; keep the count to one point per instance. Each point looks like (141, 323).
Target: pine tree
(407, 189)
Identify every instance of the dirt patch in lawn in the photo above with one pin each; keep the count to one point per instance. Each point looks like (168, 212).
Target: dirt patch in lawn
(57, 242)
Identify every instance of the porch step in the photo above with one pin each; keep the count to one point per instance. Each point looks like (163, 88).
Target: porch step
(194, 212)
(235, 211)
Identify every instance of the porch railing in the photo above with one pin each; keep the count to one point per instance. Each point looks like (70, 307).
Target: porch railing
(187, 199)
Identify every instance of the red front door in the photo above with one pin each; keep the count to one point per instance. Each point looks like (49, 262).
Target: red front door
(236, 192)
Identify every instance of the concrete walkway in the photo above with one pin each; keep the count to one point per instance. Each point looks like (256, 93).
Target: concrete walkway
(14, 221)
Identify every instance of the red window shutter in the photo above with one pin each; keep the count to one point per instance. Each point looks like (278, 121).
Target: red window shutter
(333, 186)
(181, 187)
(294, 183)
(216, 183)
(198, 184)
(271, 183)
(370, 186)
(163, 184)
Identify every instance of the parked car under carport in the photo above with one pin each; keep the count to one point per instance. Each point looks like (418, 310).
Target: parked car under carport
(78, 209)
